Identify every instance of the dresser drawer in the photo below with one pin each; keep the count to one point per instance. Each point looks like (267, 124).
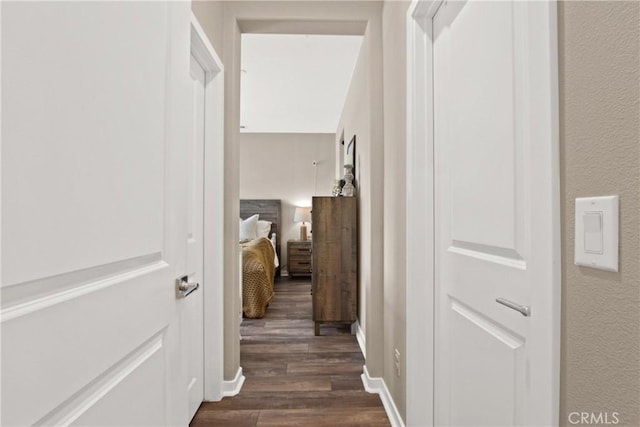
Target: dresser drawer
(299, 250)
(297, 265)
(299, 257)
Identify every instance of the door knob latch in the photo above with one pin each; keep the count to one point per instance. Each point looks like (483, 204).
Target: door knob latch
(184, 287)
(522, 309)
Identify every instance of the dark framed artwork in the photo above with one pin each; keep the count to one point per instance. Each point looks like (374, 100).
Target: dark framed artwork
(350, 153)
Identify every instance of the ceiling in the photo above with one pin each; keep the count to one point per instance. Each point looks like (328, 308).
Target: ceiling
(295, 83)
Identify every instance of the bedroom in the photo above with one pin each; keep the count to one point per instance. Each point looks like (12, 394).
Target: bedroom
(290, 112)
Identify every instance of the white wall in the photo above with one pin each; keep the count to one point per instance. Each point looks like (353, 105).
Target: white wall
(280, 166)
(394, 19)
(355, 121)
(363, 116)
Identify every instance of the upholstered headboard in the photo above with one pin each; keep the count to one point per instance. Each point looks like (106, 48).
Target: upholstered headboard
(269, 210)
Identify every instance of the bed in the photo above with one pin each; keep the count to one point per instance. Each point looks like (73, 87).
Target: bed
(260, 257)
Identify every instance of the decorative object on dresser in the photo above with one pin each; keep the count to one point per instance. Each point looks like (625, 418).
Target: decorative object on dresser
(299, 257)
(337, 187)
(334, 260)
(302, 215)
(348, 190)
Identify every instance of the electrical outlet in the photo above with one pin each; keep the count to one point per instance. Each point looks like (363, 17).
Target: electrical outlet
(396, 361)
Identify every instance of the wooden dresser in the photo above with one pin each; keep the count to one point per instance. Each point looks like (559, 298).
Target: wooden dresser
(299, 257)
(335, 260)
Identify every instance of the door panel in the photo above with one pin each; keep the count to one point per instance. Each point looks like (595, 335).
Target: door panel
(114, 392)
(476, 334)
(485, 212)
(109, 408)
(484, 227)
(486, 216)
(92, 206)
(71, 86)
(52, 351)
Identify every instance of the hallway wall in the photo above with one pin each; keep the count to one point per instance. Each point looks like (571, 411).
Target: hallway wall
(355, 121)
(389, 329)
(599, 48)
(362, 116)
(394, 21)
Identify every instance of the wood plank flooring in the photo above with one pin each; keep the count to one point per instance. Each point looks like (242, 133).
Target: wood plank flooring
(294, 378)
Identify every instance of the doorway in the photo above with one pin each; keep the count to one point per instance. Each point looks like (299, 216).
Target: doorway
(213, 201)
(303, 18)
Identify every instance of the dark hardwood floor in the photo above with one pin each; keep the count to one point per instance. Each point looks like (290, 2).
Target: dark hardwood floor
(294, 378)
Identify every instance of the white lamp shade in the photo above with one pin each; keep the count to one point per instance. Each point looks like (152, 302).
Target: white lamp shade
(302, 215)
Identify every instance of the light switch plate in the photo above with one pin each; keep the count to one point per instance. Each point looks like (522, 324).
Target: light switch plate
(596, 239)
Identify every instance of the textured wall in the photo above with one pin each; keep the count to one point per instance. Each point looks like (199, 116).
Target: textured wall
(599, 121)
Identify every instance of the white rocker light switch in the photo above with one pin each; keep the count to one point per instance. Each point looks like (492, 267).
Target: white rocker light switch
(596, 238)
(592, 232)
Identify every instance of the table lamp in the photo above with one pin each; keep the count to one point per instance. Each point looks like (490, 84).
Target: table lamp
(302, 215)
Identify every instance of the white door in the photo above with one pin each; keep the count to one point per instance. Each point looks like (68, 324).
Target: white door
(192, 306)
(94, 96)
(494, 210)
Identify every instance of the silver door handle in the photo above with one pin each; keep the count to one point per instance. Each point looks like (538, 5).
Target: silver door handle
(184, 287)
(523, 309)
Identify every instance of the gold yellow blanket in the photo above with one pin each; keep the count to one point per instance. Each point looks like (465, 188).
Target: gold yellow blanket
(257, 277)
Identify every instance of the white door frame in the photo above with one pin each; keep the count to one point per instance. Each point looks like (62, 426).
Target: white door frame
(213, 282)
(420, 211)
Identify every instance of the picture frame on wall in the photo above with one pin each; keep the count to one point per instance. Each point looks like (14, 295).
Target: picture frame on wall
(350, 153)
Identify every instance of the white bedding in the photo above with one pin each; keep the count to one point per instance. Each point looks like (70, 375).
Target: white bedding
(253, 228)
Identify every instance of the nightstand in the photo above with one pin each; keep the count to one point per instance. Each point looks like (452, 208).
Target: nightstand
(299, 255)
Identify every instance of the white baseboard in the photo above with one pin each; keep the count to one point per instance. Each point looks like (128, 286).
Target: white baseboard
(362, 340)
(378, 386)
(231, 388)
